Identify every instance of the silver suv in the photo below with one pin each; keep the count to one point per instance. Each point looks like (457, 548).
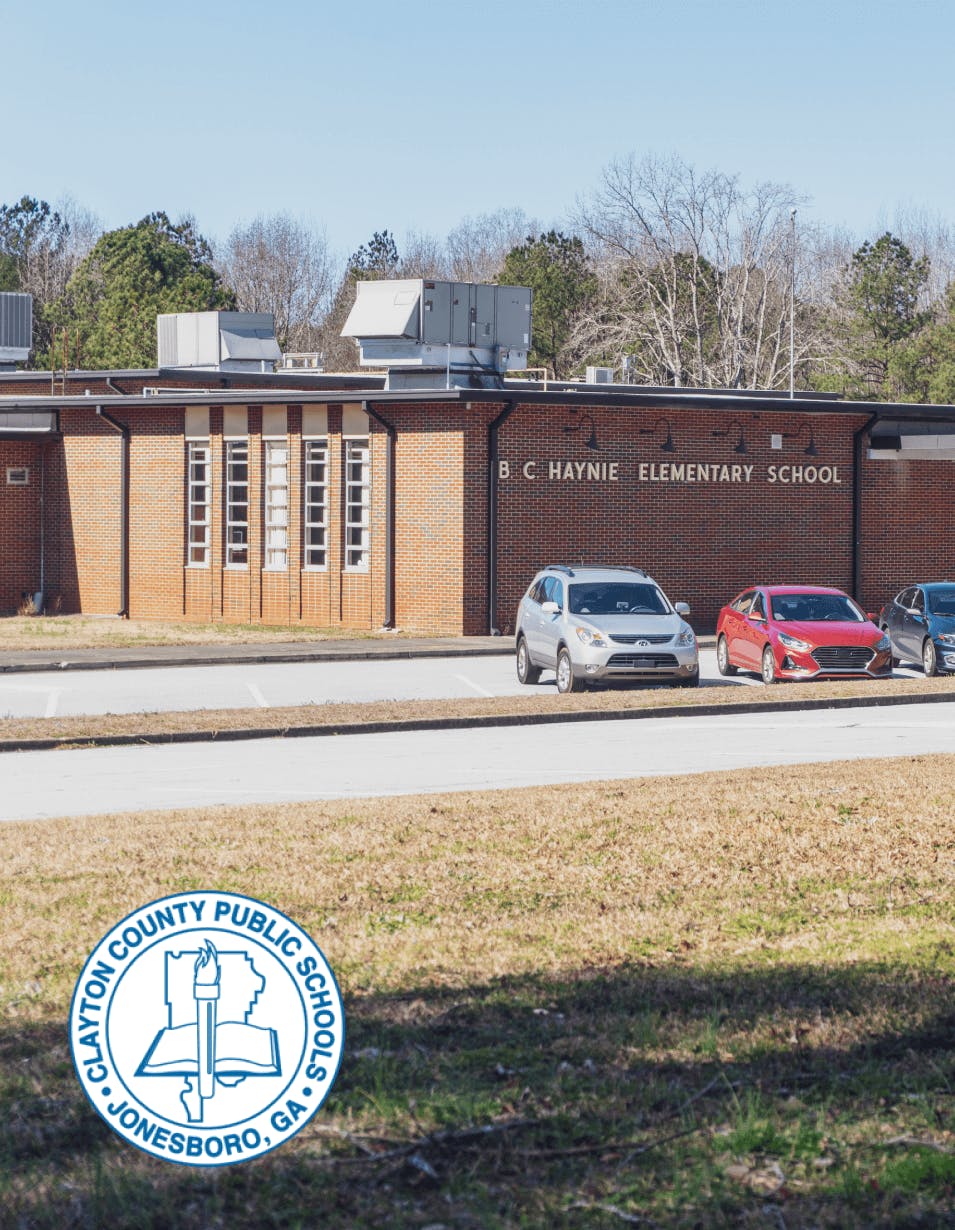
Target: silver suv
(602, 624)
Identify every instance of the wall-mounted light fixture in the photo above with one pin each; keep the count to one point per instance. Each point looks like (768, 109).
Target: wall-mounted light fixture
(591, 441)
(667, 445)
(810, 450)
(740, 445)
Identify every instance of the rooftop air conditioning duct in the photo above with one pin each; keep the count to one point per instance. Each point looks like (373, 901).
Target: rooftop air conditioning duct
(441, 334)
(16, 329)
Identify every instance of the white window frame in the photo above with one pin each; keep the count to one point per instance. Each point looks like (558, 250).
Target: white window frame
(357, 505)
(315, 505)
(236, 527)
(276, 505)
(198, 498)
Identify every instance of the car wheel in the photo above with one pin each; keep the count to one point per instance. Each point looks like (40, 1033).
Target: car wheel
(567, 681)
(768, 668)
(526, 671)
(929, 659)
(723, 663)
(691, 681)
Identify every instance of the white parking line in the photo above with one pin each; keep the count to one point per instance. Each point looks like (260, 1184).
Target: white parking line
(52, 695)
(471, 684)
(257, 696)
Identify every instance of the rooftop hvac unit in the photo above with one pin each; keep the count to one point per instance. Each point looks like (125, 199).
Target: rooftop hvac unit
(600, 375)
(218, 341)
(463, 333)
(16, 329)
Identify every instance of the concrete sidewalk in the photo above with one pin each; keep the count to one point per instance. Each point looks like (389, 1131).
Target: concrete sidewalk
(365, 649)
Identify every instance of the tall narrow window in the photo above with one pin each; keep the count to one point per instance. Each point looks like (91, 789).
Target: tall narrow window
(316, 503)
(276, 505)
(197, 551)
(357, 504)
(237, 504)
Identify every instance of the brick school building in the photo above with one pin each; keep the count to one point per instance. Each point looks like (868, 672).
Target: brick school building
(310, 500)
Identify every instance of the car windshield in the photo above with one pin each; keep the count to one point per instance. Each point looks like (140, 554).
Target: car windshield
(617, 598)
(814, 608)
(942, 601)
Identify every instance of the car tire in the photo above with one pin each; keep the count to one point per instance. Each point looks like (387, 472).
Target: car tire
(527, 672)
(691, 681)
(723, 663)
(567, 681)
(929, 659)
(768, 666)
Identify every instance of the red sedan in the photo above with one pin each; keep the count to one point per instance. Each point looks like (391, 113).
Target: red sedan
(799, 632)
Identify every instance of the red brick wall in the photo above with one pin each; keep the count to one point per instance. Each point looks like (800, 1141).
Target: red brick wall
(702, 542)
(19, 524)
(908, 531)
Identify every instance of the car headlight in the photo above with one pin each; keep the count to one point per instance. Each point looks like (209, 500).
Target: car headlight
(686, 638)
(793, 642)
(591, 636)
(883, 645)
(947, 638)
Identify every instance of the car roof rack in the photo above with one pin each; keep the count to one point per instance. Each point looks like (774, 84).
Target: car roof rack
(566, 568)
(617, 568)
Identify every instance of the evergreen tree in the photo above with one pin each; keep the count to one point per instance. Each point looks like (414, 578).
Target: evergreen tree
(555, 267)
(885, 282)
(131, 276)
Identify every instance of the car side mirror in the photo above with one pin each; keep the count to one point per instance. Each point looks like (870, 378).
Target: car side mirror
(682, 608)
(913, 610)
(755, 617)
(550, 607)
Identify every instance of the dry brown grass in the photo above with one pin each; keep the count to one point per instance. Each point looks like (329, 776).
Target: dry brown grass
(710, 1000)
(23, 632)
(450, 888)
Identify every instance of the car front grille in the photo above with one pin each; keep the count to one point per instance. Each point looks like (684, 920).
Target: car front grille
(642, 661)
(842, 657)
(656, 639)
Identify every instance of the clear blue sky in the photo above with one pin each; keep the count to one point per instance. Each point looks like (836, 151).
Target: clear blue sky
(370, 115)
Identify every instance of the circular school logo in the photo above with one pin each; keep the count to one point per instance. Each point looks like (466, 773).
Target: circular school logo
(207, 1028)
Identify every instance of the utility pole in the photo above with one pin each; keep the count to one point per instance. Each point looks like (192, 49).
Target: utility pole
(792, 302)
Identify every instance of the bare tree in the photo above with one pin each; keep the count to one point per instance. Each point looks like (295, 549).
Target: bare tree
(477, 247)
(278, 264)
(423, 256)
(694, 274)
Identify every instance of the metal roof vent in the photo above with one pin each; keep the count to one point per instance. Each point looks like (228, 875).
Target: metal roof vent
(218, 341)
(16, 329)
(441, 334)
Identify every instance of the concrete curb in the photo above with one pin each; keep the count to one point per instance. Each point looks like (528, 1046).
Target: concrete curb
(465, 723)
(58, 663)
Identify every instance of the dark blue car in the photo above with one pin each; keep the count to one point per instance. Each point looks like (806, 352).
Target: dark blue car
(920, 622)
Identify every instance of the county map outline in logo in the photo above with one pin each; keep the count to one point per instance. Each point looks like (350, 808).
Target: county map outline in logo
(207, 1028)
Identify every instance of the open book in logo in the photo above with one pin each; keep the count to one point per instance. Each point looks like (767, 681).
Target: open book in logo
(208, 1040)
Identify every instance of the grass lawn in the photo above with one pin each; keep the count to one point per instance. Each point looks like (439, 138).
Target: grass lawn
(715, 1000)
(18, 632)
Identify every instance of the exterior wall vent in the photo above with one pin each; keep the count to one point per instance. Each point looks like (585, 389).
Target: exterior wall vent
(18, 476)
(16, 329)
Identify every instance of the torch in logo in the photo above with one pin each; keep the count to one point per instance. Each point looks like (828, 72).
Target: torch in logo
(205, 990)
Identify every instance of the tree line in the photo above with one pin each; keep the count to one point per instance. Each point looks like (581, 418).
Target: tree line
(668, 275)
